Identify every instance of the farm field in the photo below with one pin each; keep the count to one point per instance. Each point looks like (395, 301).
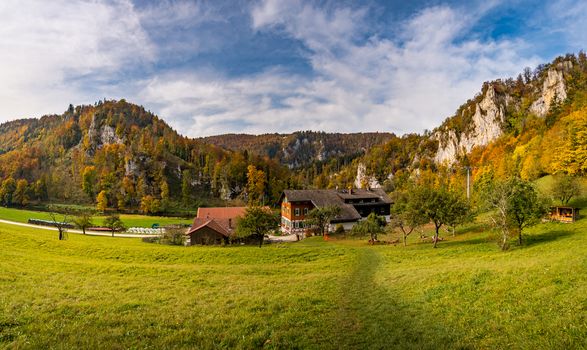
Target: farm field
(101, 292)
(130, 220)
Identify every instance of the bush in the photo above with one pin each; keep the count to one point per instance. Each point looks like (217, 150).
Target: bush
(339, 230)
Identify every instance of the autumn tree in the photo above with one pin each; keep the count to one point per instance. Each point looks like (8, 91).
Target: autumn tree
(21, 196)
(256, 223)
(89, 177)
(150, 205)
(7, 191)
(255, 184)
(164, 188)
(321, 217)
(564, 187)
(101, 201)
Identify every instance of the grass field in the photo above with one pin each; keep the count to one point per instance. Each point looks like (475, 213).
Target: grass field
(101, 292)
(21, 215)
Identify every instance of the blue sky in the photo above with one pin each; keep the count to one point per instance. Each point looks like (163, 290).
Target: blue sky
(212, 67)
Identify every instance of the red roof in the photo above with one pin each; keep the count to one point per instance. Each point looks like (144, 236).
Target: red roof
(211, 223)
(221, 213)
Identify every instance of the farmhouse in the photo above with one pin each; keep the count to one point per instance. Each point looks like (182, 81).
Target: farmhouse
(214, 225)
(355, 204)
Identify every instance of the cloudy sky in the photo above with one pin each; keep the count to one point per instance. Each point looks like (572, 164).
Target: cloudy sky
(212, 67)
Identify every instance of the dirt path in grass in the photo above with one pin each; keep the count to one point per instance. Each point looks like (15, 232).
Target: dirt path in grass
(88, 233)
(358, 294)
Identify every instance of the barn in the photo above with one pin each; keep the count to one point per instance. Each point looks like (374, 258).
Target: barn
(214, 225)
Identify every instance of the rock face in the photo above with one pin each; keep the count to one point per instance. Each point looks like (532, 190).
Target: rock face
(553, 90)
(363, 180)
(487, 120)
(490, 116)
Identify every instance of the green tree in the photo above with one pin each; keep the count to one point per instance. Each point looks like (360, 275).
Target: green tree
(101, 201)
(321, 217)
(405, 214)
(114, 223)
(436, 205)
(515, 205)
(83, 220)
(256, 223)
(460, 211)
(526, 206)
(21, 196)
(371, 226)
(185, 188)
(565, 187)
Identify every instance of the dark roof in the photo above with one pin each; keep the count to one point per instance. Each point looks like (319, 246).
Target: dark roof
(376, 193)
(323, 198)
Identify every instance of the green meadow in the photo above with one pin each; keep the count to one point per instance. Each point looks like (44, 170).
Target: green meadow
(129, 220)
(103, 292)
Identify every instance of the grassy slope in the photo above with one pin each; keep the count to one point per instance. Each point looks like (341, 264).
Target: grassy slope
(20, 215)
(97, 292)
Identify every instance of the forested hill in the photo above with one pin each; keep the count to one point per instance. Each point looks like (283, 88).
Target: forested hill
(302, 148)
(119, 155)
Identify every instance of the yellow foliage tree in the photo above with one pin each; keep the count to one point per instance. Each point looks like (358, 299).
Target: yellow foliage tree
(101, 201)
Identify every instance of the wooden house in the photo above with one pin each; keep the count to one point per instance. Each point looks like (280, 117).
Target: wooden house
(355, 204)
(564, 214)
(214, 225)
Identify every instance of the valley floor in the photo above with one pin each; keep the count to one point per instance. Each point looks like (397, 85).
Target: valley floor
(99, 292)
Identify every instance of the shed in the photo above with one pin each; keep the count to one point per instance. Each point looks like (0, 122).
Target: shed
(564, 214)
(206, 231)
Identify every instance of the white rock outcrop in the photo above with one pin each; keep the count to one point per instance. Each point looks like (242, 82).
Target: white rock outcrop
(363, 180)
(487, 120)
(553, 90)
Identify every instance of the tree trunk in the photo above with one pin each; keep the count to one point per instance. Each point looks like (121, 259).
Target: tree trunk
(112, 232)
(520, 237)
(405, 240)
(436, 236)
(84, 230)
(60, 234)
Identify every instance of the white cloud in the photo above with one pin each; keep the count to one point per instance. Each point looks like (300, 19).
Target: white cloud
(46, 46)
(56, 52)
(377, 84)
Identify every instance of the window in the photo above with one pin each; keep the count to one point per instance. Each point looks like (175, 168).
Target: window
(305, 211)
(297, 212)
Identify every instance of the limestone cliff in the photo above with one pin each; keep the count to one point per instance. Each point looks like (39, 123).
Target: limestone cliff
(486, 126)
(490, 113)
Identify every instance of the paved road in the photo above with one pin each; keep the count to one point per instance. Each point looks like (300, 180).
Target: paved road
(89, 233)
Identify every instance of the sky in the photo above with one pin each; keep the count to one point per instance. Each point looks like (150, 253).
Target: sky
(266, 66)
